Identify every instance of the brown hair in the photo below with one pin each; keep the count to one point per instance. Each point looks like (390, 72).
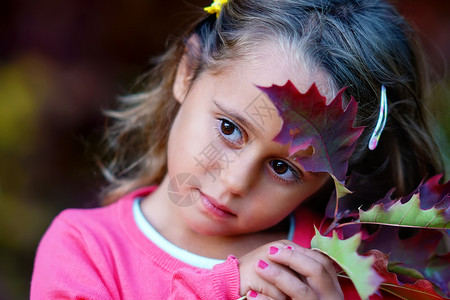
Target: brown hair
(360, 44)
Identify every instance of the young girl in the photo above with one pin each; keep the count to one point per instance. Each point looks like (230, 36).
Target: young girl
(205, 204)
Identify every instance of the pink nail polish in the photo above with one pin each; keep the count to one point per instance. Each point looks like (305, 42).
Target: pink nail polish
(262, 264)
(253, 294)
(273, 250)
(289, 247)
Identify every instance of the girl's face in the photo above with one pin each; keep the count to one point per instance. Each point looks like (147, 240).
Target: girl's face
(223, 136)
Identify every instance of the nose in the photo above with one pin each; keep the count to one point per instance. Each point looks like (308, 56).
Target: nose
(241, 174)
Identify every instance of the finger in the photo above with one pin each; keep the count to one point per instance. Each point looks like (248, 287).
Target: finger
(255, 295)
(286, 281)
(317, 269)
(327, 262)
(318, 256)
(312, 259)
(264, 287)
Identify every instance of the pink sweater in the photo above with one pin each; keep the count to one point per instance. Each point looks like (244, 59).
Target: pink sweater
(102, 254)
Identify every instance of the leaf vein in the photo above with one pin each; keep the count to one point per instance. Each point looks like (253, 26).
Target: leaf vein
(407, 211)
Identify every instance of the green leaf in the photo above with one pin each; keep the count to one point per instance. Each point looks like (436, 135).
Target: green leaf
(398, 269)
(357, 267)
(407, 214)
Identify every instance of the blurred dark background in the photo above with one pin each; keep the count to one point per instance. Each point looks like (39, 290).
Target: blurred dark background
(62, 62)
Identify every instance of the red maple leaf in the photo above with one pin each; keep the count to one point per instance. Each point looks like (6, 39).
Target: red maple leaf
(391, 288)
(420, 289)
(433, 194)
(309, 122)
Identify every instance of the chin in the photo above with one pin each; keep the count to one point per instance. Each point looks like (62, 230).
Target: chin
(208, 229)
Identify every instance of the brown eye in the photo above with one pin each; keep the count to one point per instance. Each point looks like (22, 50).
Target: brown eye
(284, 172)
(280, 167)
(227, 128)
(230, 132)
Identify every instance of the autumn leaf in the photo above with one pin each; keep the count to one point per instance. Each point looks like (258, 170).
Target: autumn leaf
(414, 257)
(415, 260)
(391, 288)
(309, 122)
(357, 267)
(410, 251)
(434, 194)
(420, 290)
(426, 207)
(426, 210)
(407, 214)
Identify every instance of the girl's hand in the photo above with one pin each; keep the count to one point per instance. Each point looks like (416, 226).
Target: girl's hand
(284, 270)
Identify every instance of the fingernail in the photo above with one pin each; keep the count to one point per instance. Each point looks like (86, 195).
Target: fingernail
(273, 250)
(262, 264)
(289, 247)
(253, 294)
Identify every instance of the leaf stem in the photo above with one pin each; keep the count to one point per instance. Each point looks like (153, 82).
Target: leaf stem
(335, 224)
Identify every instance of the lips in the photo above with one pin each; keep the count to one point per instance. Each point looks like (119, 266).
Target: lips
(213, 207)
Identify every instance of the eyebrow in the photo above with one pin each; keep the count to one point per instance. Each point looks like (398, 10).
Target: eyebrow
(235, 116)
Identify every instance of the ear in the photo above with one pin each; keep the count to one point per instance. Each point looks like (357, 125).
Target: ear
(185, 69)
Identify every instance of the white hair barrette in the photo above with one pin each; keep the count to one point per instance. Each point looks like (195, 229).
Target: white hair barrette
(374, 139)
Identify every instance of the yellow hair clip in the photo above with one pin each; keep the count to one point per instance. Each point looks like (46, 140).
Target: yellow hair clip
(215, 7)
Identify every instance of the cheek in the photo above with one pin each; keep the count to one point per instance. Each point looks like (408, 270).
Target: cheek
(177, 147)
(189, 136)
(274, 202)
(281, 202)
(269, 213)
